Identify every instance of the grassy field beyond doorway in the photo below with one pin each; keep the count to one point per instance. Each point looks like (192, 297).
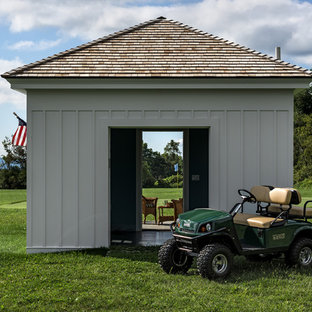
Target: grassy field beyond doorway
(163, 194)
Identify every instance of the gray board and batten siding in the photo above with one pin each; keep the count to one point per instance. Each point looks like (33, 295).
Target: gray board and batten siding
(250, 142)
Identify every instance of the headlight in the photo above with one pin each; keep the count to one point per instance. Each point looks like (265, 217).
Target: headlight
(202, 228)
(177, 223)
(208, 227)
(205, 228)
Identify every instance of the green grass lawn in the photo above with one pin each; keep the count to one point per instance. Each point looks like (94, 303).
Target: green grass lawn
(12, 221)
(306, 195)
(126, 278)
(13, 197)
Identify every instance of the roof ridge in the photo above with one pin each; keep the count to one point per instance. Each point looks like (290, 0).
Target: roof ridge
(82, 46)
(241, 47)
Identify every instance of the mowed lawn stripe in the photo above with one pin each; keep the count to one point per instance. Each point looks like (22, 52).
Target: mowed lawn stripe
(163, 194)
(12, 196)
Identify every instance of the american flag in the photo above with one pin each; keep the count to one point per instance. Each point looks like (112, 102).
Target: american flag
(20, 135)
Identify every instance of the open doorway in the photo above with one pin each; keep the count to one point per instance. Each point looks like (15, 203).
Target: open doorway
(161, 178)
(126, 145)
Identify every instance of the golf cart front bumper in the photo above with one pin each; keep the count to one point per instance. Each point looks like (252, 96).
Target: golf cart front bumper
(188, 244)
(192, 244)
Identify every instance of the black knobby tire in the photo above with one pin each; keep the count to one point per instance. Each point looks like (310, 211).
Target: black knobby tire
(300, 253)
(172, 260)
(215, 261)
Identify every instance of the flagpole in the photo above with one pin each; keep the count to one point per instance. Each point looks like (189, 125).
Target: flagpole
(15, 115)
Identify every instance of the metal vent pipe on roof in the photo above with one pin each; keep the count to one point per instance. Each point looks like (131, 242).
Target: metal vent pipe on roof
(278, 53)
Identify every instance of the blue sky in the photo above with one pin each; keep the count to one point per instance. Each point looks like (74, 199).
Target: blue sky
(158, 140)
(32, 29)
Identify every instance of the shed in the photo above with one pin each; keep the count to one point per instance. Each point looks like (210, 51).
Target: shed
(87, 107)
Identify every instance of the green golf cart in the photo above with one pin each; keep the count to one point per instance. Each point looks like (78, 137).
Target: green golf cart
(274, 228)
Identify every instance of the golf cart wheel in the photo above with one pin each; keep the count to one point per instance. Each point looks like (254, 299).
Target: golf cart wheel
(300, 253)
(215, 261)
(172, 260)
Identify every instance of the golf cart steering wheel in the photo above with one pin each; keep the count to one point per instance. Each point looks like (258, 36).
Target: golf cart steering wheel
(247, 196)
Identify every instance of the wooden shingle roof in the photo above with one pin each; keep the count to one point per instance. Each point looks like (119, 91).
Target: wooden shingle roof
(159, 48)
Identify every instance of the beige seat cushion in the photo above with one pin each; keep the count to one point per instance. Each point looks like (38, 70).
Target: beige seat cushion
(241, 218)
(254, 220)
(280, 196)
(261, 192)
(277, 195)
(294, 211)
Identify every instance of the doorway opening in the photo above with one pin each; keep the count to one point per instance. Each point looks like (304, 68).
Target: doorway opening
(126, 166)
(161, 178)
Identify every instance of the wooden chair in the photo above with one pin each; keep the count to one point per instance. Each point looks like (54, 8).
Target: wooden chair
(178, 207)
(149, 206)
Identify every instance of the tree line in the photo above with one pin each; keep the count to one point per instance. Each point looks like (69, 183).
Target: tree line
(158, 169)
(13, 166)
(303, 138)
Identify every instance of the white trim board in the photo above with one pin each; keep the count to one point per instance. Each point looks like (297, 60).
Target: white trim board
(22, 84)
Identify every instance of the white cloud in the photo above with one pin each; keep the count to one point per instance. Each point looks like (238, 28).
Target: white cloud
(20, 45)
(6, 94)
(304, 59)
(41, 45)
(260, 25)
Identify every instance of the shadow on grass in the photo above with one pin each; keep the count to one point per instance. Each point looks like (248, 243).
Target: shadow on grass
(135, 253)
(95, 251)
(243, 270)
(16, 202)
